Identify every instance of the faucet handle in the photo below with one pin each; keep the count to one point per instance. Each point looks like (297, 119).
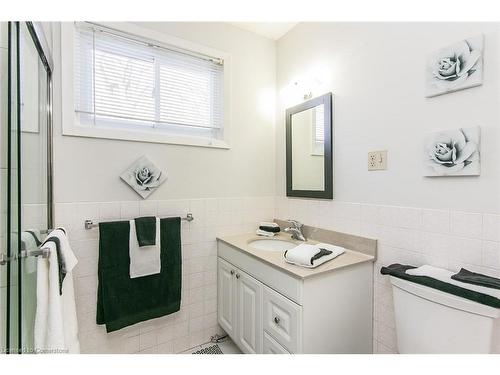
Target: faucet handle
(296, 224)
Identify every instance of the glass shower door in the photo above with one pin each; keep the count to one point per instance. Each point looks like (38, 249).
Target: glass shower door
(4, 132)
(28, 180)
(13, 213)
(33, 79)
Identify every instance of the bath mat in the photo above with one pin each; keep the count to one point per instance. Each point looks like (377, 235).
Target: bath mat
(214, 349)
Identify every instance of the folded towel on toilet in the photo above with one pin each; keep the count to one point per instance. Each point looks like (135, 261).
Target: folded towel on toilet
(470, 277)
(311, 256)
(401, 271)
(444, 275)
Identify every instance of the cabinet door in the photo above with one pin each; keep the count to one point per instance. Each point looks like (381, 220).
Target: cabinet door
(226, 296)
(249, 309)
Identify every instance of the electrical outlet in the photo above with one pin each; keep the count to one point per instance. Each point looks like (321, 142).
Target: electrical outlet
(377, 160)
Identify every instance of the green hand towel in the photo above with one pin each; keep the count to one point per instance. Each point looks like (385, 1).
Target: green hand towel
(145, 230)
(122, 301)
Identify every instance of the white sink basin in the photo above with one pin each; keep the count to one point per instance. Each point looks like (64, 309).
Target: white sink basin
(272, 245)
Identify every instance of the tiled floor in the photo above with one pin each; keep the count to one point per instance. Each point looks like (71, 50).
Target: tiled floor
(227, 347)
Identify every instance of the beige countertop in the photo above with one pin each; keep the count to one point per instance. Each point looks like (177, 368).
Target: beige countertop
(275, 258)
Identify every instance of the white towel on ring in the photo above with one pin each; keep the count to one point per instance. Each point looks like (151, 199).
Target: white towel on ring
(56, 324)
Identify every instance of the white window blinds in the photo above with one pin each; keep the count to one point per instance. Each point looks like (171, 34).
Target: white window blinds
(121, 81)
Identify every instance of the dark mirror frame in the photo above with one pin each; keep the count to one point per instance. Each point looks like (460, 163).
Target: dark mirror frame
(327, 193)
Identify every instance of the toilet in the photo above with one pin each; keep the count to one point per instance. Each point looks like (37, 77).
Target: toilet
(432, 321)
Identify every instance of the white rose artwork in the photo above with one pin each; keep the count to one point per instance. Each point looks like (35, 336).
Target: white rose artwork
(453, 153)
(143, 176)
(456, 67)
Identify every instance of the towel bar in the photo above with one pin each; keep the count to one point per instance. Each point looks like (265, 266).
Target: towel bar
(89, 224)
(44, 252)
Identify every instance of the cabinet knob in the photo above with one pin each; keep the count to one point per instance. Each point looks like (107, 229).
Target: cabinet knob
(232, 272)
(276, 320)
(237, 275)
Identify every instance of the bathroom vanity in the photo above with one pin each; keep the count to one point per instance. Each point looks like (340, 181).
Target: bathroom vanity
(269, 306)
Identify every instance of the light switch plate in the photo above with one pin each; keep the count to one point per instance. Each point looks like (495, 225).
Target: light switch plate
(377, 160)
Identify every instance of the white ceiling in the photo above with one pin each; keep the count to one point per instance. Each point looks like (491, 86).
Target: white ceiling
(271, 30)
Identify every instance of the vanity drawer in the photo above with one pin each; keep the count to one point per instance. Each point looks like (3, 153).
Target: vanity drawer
(282, 319)
(271, 346)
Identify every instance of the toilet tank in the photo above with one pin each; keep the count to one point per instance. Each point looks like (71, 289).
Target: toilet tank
(431, 321)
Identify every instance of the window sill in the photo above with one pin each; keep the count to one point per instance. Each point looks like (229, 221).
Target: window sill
(136, 136)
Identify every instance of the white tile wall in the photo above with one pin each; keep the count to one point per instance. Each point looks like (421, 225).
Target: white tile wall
(450, 239)
(410, 235)
(197, 319)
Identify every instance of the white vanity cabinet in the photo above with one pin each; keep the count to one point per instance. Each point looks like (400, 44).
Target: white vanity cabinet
(266, 310)
(240, 307)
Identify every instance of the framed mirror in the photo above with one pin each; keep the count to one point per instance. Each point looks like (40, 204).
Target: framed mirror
(309, 149)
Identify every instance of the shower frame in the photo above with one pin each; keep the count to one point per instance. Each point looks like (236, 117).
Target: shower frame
(13, 250)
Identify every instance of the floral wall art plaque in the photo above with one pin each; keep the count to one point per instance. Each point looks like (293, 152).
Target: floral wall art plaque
(143, 176)
(456, 67)
(453, 153)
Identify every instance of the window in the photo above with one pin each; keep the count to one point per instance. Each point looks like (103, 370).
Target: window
(122, 82)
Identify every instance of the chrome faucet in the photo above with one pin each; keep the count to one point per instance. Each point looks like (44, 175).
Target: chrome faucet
(295, 229)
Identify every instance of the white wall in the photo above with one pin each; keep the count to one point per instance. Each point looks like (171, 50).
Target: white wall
(376, 72)
(88, 169)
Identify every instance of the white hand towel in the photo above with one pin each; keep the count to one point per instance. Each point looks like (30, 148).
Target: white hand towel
(56, 324)
(301, 255)
(445, 276)
(263, 233)
(145, 260)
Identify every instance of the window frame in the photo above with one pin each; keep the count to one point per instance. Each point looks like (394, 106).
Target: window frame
(71, 125)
